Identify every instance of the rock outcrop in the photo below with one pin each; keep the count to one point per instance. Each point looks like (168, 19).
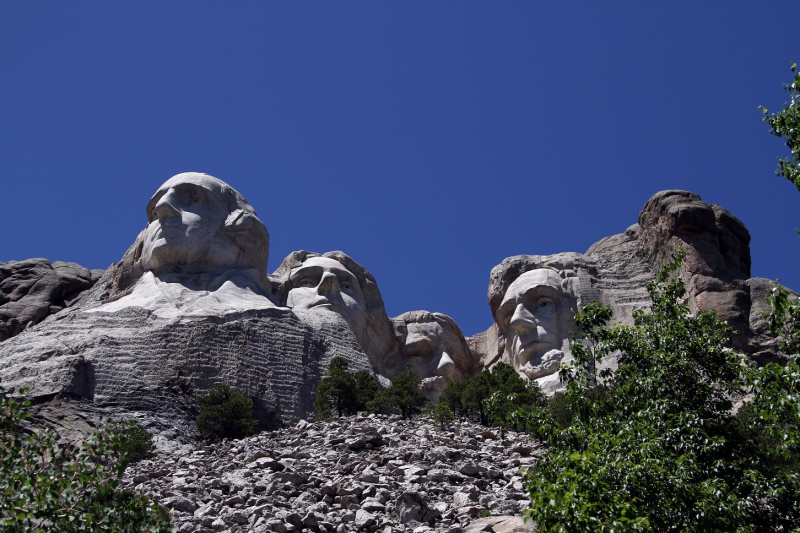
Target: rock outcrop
(33, 289)
(189, 305)
(366, 473)
(615, 272)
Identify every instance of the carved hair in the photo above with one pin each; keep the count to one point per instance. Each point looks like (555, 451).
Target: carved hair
(504, 274)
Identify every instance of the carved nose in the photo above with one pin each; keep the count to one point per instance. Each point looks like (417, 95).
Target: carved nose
(446, 368)
(328, 285)
(165, 208)
(523, 321)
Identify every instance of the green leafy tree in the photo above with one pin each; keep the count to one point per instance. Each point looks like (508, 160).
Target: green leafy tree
(337, 390)
(47, 487)
(514, 401)
(784, 319)
(654, 446)
(225, 414)
(443, 414)
(345, 392)
(451, 398)
(786, 124)
(404, 393)
(476, 392)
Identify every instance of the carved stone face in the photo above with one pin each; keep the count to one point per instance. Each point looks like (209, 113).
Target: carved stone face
(435, 351)
(324, 284)
(186, 216)
(530, 316)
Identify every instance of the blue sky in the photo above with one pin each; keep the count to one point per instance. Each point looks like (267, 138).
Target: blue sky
(428, 140)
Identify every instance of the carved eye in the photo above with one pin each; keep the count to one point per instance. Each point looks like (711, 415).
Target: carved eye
(305, 282)
(544, 303)
(346, 285)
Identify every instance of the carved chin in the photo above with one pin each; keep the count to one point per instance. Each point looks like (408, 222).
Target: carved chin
(547, 364)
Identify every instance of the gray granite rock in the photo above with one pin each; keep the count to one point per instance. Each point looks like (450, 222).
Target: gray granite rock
(615, 272)
(33, 289)
(188, 306)
(345, 489)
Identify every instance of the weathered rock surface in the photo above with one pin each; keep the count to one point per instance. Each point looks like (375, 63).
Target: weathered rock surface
(373, 473)
(33, 289)
(135, 360)
(615, 272)
(188, 306)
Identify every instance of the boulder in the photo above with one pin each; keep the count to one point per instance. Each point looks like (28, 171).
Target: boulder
(33, 289)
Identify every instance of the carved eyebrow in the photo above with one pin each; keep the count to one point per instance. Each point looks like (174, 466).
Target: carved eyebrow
(303, 271)
(346, 275)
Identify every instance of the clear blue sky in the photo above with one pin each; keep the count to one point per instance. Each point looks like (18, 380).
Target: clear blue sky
(428, 140)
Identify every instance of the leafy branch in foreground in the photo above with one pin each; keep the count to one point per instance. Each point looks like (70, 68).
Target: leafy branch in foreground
(784, 319)
(47, 487)
(787, 124)
(655, 445)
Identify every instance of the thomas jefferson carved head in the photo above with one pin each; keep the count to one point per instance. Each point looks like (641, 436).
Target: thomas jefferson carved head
(198, 223)
(434, 344)
(324, 284)
(335, 283)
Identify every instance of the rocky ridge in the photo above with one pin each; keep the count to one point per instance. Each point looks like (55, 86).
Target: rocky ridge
(33, 289)
(363, 473)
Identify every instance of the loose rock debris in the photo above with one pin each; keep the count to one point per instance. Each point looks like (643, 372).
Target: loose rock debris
(362, 473)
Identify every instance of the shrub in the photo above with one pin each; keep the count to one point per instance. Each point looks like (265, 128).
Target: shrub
(653, 445)
(346, 392)
(404, 393)
(499, 397)
(336, 391)
(47, 487)
(366, 391)
(138, 443)
(225, 414)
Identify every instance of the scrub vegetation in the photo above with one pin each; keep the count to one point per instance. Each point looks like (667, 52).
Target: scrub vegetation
(49, 486)
(225, 414)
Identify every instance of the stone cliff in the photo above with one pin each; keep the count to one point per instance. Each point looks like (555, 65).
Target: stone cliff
(615, 272)
(190, 304)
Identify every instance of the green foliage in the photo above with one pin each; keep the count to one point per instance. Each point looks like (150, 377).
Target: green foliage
(336, 391)
(476, 391)
(787, 124)
(404, 393)
(225, 414)
(514, 401)
(450, 403)
(47, 487)
(499, 397)
(784, 319)
(367, 391)
(654, 446)
(138, 443)
(345, 392)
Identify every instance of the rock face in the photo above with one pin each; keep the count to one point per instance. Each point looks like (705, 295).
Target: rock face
(188, 306)
(434, 345)
(334, 283)
(33, 289)
(373, 473)
(615, 272)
